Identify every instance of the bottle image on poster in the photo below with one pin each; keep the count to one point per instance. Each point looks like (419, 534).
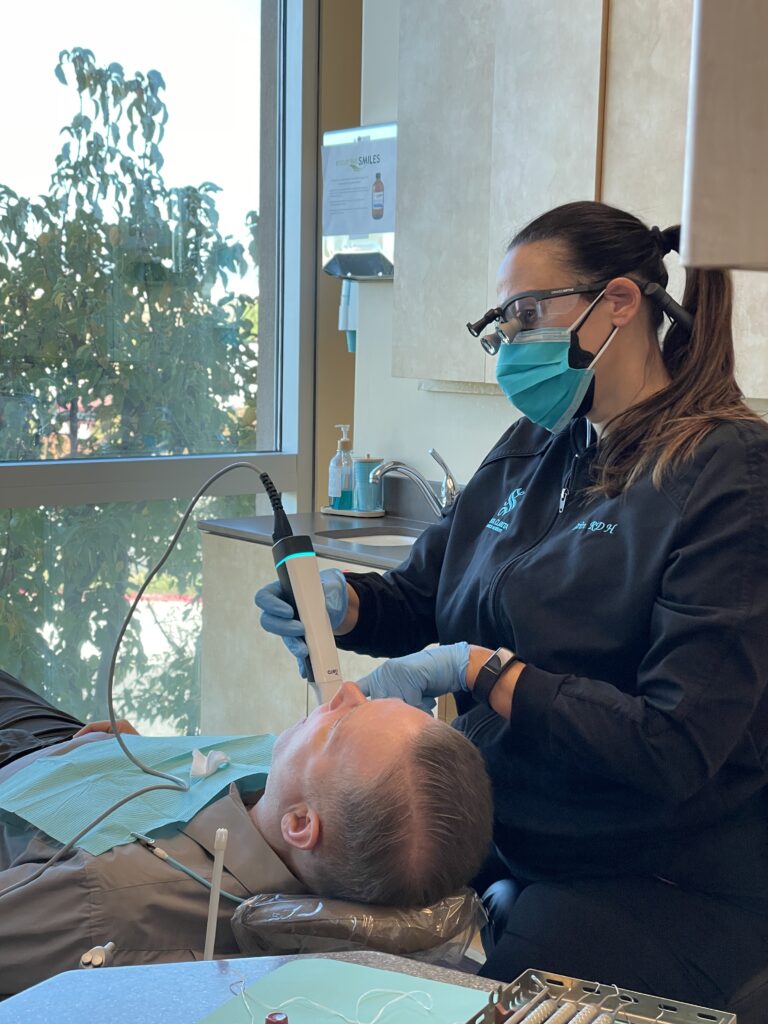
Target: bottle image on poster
(377, 198)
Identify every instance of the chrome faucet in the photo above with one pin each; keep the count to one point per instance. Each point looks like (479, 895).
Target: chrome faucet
(448, 490)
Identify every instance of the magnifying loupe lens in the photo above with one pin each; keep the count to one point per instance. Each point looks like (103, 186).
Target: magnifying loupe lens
(491, 344)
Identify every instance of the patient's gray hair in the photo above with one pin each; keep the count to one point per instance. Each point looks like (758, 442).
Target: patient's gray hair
(419, 832)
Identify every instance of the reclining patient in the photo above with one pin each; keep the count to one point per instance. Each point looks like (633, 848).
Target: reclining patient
(373, 801)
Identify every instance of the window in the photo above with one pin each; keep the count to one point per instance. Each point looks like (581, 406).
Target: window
(143, 341)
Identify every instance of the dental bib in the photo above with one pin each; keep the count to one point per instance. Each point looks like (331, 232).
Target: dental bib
(62, 794)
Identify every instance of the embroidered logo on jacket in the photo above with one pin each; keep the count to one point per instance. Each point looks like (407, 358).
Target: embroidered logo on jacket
(496, 522)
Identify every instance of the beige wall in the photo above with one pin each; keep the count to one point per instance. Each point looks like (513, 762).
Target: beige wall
(393, 417)
(339, 107)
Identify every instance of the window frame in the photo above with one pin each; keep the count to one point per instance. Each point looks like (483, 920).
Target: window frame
(289, 187)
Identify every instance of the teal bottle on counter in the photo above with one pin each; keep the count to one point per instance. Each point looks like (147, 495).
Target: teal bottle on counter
(340, 474)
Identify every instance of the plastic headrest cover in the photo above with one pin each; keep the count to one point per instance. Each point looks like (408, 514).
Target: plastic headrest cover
(275, 924)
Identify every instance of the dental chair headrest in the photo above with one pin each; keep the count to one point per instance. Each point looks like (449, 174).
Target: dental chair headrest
(272, 924)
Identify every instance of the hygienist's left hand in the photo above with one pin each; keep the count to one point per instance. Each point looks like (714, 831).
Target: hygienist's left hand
(419, 678)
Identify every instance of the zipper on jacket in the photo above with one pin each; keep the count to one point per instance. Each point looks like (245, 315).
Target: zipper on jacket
(566, 489)
(502, 570)
(495, 583)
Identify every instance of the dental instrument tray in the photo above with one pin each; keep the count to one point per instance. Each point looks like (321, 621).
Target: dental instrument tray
(538, 997)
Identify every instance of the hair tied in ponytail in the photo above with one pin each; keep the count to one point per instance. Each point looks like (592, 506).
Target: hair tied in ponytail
(660, 237)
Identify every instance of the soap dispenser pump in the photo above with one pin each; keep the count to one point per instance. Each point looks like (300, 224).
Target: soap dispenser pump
(340, 478)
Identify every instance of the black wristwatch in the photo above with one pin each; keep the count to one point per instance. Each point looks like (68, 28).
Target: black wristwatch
(489, 674)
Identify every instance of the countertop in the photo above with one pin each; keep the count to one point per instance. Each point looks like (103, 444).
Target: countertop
(180, 993)
(258, 530)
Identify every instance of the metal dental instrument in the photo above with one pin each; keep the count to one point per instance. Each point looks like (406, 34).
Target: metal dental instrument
(563, 1014)
(520, 1014)
(500, 1008)
(586, 1002)
(542, 1013)
(587, 1015)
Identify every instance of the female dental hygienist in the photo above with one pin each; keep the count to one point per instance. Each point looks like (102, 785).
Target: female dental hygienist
(601, 591)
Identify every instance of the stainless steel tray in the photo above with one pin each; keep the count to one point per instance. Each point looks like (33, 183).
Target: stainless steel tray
(628, 1007)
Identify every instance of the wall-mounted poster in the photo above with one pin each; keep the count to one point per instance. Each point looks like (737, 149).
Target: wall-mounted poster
(359, 189)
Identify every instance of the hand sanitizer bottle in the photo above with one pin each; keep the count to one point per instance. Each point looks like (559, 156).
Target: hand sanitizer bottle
(340, 478)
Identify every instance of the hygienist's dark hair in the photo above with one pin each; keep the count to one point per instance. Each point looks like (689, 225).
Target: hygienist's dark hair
(600, 242)
(415, 834)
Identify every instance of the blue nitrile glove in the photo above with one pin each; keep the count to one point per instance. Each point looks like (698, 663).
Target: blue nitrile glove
(418, 678)
(278, 617)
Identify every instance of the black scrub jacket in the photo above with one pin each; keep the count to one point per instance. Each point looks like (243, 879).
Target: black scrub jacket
(641, 717)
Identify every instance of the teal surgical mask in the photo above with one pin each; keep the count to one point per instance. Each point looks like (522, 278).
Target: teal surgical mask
(535, 373)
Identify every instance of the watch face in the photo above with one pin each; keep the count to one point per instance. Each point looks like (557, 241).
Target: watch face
(490, 672)
(499, 659)
(494, 663)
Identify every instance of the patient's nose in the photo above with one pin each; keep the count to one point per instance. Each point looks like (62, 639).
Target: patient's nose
(348, 695)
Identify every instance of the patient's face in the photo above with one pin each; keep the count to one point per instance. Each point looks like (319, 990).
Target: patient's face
(348, 736)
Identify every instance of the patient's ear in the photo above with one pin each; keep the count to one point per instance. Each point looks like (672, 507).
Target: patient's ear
(300, 827)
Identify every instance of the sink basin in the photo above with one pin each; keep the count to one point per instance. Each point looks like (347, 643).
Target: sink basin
(379, 537)
(382, 540)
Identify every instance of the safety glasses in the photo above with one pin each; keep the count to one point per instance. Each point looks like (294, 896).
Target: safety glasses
(551, 307)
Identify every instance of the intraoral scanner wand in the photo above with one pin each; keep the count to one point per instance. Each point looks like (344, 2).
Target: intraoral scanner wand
(299, 575)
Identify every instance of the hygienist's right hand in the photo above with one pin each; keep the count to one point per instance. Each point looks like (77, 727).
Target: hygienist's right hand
(418, 678)
(278, 617)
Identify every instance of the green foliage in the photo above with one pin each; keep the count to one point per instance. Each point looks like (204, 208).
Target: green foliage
(121, 334)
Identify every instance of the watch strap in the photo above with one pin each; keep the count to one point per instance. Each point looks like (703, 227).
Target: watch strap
(489, 673)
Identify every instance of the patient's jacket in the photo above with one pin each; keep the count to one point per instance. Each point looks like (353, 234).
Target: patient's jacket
(153, 912)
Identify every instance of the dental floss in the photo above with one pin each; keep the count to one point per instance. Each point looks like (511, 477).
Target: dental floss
(402, 995)
(398, 997)
(241, 993)
(219, 846)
